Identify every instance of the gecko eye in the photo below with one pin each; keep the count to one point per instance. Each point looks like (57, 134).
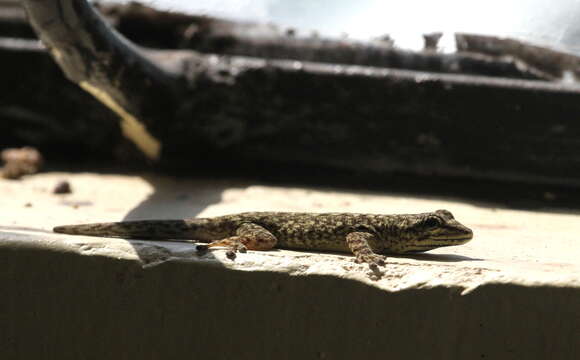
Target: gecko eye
(432, 222)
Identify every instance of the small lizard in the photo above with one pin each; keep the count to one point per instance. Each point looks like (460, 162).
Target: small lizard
(367, 236)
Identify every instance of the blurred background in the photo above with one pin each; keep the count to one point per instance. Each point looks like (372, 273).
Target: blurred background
(547, 22)
(362, 94)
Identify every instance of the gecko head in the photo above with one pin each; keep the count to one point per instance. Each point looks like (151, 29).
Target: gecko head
(428, 231)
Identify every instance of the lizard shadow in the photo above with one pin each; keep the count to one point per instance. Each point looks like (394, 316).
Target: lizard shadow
(438, 257)
(422, 256)
(176, 198)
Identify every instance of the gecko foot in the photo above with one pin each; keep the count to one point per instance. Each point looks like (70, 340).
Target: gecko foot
(232, 249)
(375, 263)
(373, 260)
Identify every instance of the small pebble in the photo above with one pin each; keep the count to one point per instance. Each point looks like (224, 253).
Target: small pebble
(62, 187)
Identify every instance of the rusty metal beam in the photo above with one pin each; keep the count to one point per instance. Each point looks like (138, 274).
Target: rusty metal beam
(253, 113)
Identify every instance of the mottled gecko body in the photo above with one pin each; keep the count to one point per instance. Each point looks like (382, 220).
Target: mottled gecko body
(365, 235)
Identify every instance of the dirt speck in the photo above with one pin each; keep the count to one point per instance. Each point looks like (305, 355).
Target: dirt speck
(19, 162)
(62, 187)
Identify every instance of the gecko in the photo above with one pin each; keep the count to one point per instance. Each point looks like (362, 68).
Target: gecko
(369, 237)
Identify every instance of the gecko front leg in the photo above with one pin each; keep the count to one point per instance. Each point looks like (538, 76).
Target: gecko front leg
(358, 242)
(248, 236)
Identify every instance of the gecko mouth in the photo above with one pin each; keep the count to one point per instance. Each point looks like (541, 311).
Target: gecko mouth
(419, 248)
(460, 237)
(433, 242)
(430, 242)
(463, 236)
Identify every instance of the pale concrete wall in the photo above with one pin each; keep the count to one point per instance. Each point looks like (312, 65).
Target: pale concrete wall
(59, 304)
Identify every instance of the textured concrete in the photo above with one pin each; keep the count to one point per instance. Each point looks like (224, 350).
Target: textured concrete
(512, 292)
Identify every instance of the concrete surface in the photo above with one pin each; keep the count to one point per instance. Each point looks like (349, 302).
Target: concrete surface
(512, 292)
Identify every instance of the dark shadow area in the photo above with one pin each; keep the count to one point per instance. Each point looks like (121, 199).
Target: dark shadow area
(178, 198)
(153, 312)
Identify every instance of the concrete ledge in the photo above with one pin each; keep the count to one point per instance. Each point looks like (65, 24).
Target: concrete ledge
(513, 292)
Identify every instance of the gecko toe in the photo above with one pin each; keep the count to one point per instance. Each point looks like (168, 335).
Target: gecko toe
(373, 260)
(231, 254)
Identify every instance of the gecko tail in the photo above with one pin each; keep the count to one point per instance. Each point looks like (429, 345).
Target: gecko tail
(142, 229)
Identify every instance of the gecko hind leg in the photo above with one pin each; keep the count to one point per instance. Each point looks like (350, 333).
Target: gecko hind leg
(358, 242)
(248, 236)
